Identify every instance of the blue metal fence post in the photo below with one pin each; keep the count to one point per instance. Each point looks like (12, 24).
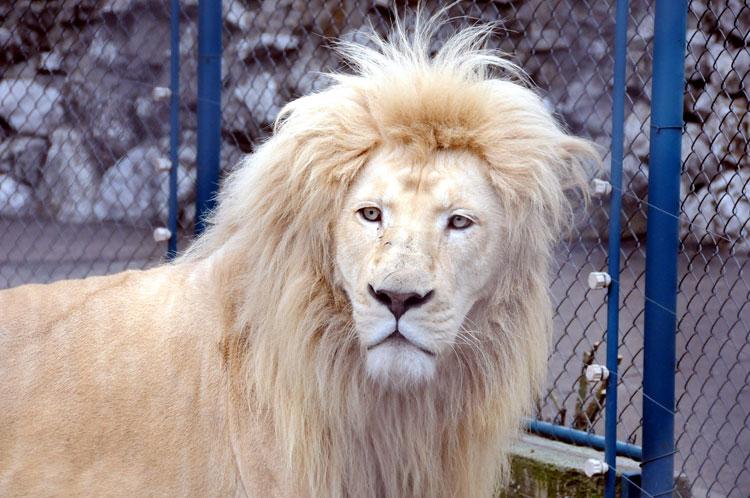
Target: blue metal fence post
(174, 123)
(209, 108)
(667, 92)
(631, 486)
(613, 250)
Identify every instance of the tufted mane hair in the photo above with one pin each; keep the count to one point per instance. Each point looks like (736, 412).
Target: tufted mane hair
(290, 347)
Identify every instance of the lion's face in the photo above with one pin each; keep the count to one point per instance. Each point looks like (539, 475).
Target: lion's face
(417, 246)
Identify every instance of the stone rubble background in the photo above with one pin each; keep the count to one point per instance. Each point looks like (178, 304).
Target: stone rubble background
(81, 132)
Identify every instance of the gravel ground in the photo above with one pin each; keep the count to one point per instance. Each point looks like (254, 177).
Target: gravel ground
(41, 251)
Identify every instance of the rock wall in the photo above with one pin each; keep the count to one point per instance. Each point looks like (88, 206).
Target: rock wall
(716, 158)
(83, 135)
(83, 138)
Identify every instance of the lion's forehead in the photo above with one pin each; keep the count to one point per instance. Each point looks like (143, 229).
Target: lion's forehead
(443, 181)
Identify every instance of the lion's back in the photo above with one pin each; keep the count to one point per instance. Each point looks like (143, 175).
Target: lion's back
(36, 308)
(93, 390)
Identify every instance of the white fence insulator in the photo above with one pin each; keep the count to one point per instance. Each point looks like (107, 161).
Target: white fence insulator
(594, 467)
(601, 187)
(161, 93)
(162, 164)
(162, 234)
(596, 373)
(599, 280)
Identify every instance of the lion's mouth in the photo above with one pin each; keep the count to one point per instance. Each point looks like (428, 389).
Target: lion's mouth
(398, 339)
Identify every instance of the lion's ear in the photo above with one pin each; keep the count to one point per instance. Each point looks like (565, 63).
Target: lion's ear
(580, 160)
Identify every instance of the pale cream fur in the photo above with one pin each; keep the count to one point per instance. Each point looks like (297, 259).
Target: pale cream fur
(241, 370)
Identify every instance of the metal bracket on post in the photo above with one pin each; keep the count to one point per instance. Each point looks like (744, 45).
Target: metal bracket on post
(600, 188)
(668, 84)
(599, 280)
(209, 109)
(596, 373)
(593, 467)
(162, 92)
(161, 234)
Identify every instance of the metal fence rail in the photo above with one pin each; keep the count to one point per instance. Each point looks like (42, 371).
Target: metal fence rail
(88, 142)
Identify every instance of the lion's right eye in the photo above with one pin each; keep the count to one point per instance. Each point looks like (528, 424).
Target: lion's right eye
(459, 222)
(370, 213)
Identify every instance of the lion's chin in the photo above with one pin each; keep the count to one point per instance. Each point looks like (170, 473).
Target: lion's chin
(400, 365)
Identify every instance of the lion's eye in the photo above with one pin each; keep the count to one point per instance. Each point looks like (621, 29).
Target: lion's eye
(459, 222)
(370, 213)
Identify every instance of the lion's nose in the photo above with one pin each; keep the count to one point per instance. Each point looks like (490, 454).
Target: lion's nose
(399, 302)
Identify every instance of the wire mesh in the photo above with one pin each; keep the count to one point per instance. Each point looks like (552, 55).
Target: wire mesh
(84, 134)
(713, 364)
(84, 137)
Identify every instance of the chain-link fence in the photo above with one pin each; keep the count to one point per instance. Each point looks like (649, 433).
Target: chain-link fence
(713, 363)
(85, 136)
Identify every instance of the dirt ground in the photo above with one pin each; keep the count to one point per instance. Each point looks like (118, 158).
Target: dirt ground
(713, 397)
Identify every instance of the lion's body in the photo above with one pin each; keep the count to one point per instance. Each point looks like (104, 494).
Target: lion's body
(241, 368)
(112, 385)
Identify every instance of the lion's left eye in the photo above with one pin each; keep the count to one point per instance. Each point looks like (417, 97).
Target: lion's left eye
(370, 213)
(458, 222)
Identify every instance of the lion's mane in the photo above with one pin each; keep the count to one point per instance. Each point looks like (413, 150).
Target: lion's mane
(291, 349)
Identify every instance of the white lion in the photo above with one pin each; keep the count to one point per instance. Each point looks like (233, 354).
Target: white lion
(367, 314)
